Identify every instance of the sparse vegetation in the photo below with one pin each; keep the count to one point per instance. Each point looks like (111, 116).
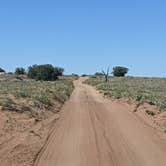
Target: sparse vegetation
(150, 90)
(16, 95)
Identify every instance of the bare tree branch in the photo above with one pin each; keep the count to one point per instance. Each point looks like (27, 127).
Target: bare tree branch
(106, 74)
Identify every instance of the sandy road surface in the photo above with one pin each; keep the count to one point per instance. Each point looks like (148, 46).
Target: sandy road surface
(96, 132)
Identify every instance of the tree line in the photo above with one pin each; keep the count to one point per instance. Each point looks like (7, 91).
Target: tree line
(46, 72)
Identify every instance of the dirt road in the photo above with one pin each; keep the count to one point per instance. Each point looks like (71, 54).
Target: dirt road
(94, 131)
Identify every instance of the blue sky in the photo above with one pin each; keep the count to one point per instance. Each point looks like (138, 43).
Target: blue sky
(84, 36)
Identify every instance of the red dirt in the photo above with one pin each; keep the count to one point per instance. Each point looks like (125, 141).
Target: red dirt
(21, 137)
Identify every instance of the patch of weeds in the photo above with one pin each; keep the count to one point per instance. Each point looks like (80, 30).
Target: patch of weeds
(44, 100)
(138, 104)
(37, 104)
(94, 76)
(25, 108)
(150, 113)
(7, 104)
(68, 92)
(163, 107)
(139, 98)
(117, 94)
(23, 94)
(49, 91)
(59, 98)
(151, 100)
(10, 105)
(107, 93)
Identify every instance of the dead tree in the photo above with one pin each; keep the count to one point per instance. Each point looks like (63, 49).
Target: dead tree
(106, 74)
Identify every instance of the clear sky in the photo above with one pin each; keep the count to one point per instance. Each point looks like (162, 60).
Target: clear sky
(84, 36)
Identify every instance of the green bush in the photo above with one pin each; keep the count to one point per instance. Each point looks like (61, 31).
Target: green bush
(139, 98)
(59, 71)
(119, 71)
(2, 70)
(99, 74)
(75, 75)
(83, 75)
(20, 71)
(44, 72)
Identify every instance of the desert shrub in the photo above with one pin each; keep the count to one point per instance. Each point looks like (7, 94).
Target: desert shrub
(151, 100)
(93, 76)
(10, 73)
(119, 71)
(8, 104)
(44, 100)
(75, 75)
(26, 108)
(2, 70)
(59, 71)
(59, 97)
(150, 113)
(19, 78)
(99, 74)
(22, 94)
(44, 72)
(20, 71)
(163, 107)
(139, 98)
(83, 75)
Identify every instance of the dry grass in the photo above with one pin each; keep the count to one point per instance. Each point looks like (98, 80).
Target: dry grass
(150, 90)
(29, 95)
